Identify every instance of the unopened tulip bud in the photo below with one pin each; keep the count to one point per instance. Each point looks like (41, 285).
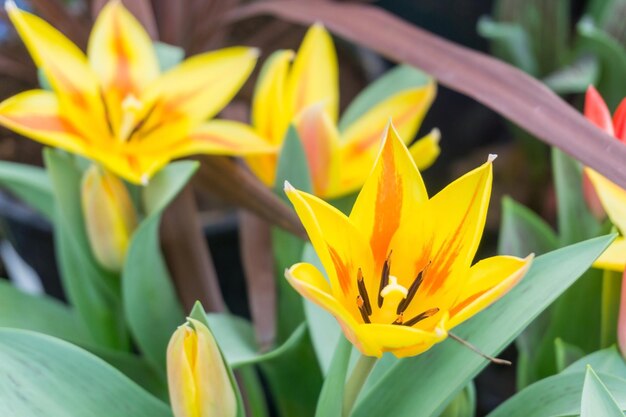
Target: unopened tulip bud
(621, 321)
(110, 217)
(199, 383)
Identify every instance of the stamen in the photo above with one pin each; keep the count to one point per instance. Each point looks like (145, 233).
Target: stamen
(131, 107)
(413, 289)
(361, 305)
(363, 292)
(384, 279)
(422, 316)
(400, 319)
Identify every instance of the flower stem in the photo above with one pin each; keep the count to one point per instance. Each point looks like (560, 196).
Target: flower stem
(611, 284)
(355, 383)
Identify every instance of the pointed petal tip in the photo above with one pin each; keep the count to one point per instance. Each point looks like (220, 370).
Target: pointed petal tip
(254, 52)
(288, 187)
(492, 157)
(10, 5)
(145, 179)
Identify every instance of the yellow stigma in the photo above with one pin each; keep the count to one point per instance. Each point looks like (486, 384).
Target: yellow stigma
(131, 113)
(393, 294)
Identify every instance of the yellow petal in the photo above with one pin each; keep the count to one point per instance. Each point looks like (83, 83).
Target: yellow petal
(221, 137)
(396, 339)
(309, 282)
(110, 217)
(135, 168)
(389, 198)
(269, 115)
(488, 280)
(65, 67)
(264, 167)
(319, 138)
(339, 245)
(314, 76)
(612, 197)
(426, 150)
(121, 53)
(37, 114)
(180, 375)
(201, 86)
(614, 257)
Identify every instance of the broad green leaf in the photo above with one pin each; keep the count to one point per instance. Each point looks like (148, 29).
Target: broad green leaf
(402, 77)
(287, 248)
(151, 305)
(464, 404)
(29, 183)
(236, 337)
(93, 291)
(558, 395)
(41, 314)
(523, 232)
(198, 313)
(430, 381)
(255, 394)
(606, 361)
(510, 42)
(323, 327)
(566, 354)
(330, 402)
(597, 400)
(168, 55)
(574, 78)
(42, 375)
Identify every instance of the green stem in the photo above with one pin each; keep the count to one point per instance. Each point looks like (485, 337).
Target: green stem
(611, 288)
(355, 383)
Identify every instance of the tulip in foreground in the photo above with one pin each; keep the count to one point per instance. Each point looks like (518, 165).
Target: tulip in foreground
(110, 217)
(115, 106)
(612, 197)
(199, 383)
(399, 266)
(306, 94)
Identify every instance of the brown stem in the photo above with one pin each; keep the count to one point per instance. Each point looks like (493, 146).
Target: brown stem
(187, 254)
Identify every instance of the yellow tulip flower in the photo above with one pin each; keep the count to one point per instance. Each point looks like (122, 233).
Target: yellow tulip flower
(114, 105)
(612, 197)
(306, 93)
(400, 266)
(199, 384)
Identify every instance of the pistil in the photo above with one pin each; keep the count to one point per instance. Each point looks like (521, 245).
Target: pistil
(131, 113)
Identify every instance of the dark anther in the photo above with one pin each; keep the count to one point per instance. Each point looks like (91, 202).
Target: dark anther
(361, 305)
(363, 293)
(400, 319)
(413, 290)
(384, 278)
(426, 314)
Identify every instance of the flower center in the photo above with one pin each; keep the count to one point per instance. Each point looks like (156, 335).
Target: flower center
(393, 298)
(131, 115)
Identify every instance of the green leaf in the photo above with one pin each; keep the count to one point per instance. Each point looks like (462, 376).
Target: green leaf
(464, 404)
(523, 232)
(287, 248)
(606, 361)
(93, 291)
(597, 400)
(41, 314)
(510, 42)
(29, 183)
(236, 337)
(566, 354)
(558, 395)
(168, 55)
(402, 77)
(151, 305)
(442, 372)
(574, 78)
(46, 376)
(330, 402)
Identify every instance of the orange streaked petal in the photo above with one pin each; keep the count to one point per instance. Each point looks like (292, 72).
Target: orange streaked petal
(202, 85)
(221, 137)
(264, 167)
(269, 112)
(319, 138)
(340, 246)
(36, 114)
(612, 197)
(426, 150)
(389, 197)
(66, 69)
(488, 280)
(597, 111)
(614, 257)
(121, 53)
(314, 76)
(619, 121)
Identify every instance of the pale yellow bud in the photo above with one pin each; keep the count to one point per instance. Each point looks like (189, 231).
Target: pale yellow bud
(110, 217)
(199, 383)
